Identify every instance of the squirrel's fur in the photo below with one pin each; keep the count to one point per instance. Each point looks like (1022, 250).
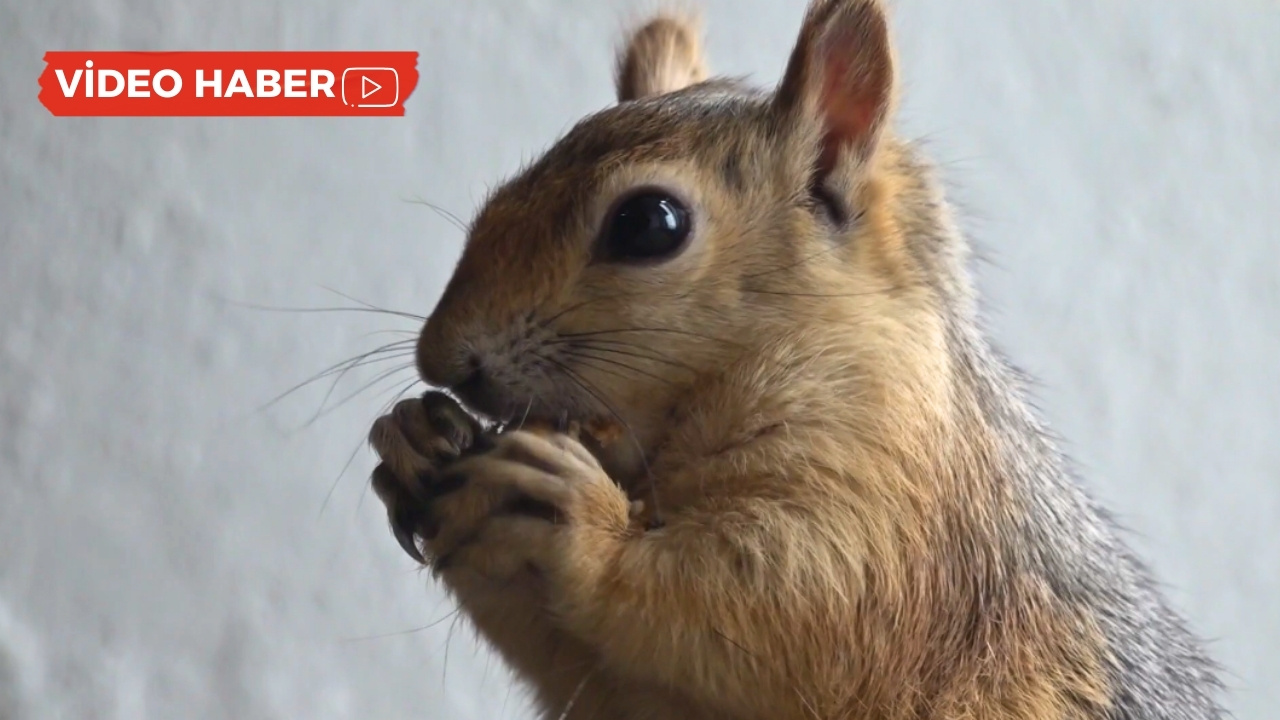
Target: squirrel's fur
(860, 517)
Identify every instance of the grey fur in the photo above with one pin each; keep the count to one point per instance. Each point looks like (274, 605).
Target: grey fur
(1157, 668)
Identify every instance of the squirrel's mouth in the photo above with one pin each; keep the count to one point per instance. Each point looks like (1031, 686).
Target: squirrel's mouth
(499, 410)
(496, 406)
(478, 393)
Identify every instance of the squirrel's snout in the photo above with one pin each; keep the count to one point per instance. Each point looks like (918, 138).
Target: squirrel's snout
(439, 361)
(445, 361)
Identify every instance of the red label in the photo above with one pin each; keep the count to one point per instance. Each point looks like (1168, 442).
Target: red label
(227, 83)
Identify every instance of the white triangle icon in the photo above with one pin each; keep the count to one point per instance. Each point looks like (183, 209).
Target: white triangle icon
(365, 82)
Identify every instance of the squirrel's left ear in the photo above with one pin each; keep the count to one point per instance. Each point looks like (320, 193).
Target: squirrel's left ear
(841, 74)
(661, 56)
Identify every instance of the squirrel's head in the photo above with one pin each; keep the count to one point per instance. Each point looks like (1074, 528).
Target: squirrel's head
(691, 222)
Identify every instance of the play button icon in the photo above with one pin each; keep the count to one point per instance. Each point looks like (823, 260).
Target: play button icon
(377, 87)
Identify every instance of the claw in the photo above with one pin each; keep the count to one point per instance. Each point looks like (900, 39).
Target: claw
(404, 528)
(408, 542)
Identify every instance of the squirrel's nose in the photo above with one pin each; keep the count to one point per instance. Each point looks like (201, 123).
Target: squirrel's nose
(441, 362)
(466, 377)
(475, 370)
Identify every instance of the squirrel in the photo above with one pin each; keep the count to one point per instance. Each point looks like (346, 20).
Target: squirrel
(717, 432)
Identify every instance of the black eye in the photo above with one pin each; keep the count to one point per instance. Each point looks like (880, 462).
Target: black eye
(647, 226)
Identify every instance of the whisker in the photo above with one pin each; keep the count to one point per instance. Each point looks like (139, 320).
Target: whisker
(364, 490)
(543, 324)
(590, 388)
(343, 308)
(346, 466)
(865, 293)
(678, 296)
(453, 219)
(585, 385)
(582, 355)
(580, 305)
(334, 385)
(610, 371)
(597, 333)
(523, 419)
(337, 309)
(343, 366)
(399, 396)
(344, 296)
(411, 333)
(381, 377)
(398, 633)
(577, 692)
(354, 451)
(564, 311)
(633, 351)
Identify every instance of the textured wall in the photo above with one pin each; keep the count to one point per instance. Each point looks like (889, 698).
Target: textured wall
(166, 550)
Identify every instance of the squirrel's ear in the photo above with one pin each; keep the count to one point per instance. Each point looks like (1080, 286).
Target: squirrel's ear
(841, 72)
(661, 56)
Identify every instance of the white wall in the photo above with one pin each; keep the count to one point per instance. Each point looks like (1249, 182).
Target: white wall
(167, 552)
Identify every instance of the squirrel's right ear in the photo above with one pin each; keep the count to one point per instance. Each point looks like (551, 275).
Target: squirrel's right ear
(661, 56)
(841, 74)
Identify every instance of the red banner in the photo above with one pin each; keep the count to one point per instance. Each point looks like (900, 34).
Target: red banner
(227, 83)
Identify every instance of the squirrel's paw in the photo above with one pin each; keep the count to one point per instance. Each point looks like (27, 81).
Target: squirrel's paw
(416, 441)
(494, 503)
(551, 487)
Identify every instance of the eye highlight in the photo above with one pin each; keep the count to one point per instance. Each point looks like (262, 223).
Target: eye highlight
(647, 226)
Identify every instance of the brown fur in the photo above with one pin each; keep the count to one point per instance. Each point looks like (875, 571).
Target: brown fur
(835, 540)
(662, 56)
